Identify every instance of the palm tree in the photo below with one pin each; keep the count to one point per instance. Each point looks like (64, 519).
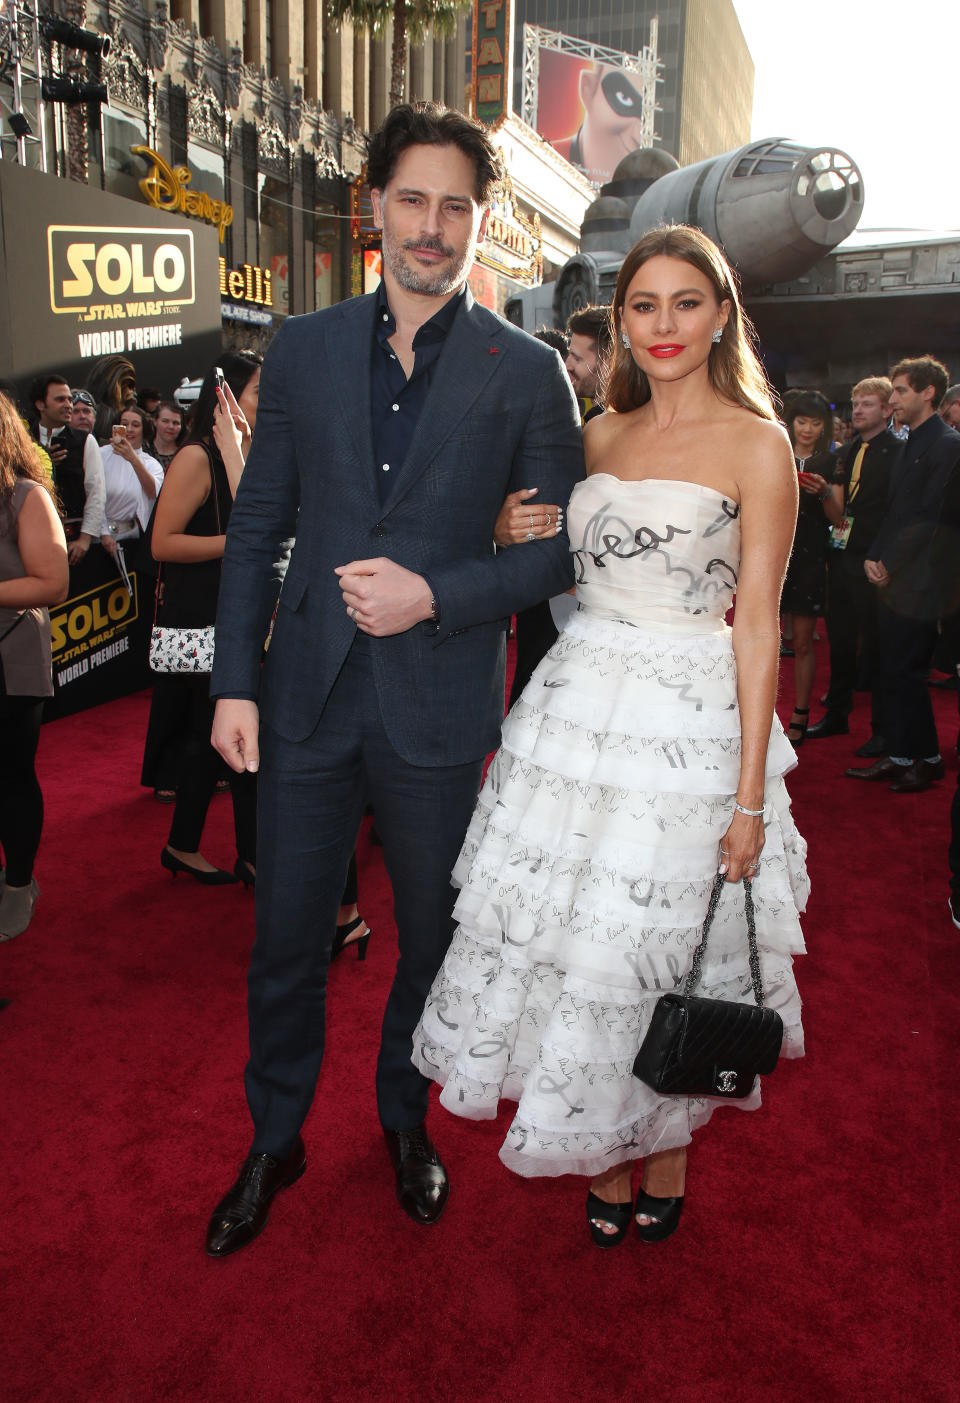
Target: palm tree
(410, 17)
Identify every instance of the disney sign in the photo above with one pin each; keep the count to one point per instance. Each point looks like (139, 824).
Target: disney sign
(165, 187)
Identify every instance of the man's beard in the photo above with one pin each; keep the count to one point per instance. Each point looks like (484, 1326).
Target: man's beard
(436, 283)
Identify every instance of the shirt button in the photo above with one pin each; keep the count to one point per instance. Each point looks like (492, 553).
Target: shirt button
(386, 467)
(392, 357)
(386, 316)
(394, 407)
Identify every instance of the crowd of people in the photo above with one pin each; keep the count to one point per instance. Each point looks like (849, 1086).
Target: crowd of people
(613, 487)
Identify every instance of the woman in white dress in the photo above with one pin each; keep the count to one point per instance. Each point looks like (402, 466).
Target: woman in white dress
(643, 755)
(133, 477)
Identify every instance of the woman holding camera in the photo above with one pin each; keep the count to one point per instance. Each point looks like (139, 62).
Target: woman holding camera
(189, 531)
(132, 478)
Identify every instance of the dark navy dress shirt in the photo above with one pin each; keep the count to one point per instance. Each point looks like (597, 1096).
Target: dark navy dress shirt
(396, 403)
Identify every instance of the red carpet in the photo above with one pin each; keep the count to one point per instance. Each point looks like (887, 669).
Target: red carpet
(817, 1258)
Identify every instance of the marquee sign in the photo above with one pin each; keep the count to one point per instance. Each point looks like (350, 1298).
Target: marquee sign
(491, 55)
(513, 245)
(104, 273)
(247, 283)
(85, 274)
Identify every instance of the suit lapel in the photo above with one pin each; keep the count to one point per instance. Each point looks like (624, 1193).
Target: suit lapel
(349, 338)
(473, 353)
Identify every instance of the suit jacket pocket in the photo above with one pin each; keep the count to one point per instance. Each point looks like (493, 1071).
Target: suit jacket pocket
(294, 588)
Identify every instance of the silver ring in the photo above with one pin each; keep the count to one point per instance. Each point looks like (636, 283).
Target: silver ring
(352, 613)
(548, 518)
(530, 536)
(754, 863)
(724, 853)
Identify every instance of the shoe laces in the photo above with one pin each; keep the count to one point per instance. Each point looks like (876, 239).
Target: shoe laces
(415, 1142)
(255, 1166)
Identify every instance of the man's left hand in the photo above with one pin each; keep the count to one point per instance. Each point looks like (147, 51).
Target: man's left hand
(382, 598)
(78, 548)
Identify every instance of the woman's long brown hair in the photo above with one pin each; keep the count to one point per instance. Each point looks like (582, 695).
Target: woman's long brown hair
(734, 367)
(18, 455)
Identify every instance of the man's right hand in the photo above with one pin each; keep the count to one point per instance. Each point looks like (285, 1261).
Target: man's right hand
(236, 731)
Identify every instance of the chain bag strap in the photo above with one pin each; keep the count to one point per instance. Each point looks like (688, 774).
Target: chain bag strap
(693, 977)
(711, 1047)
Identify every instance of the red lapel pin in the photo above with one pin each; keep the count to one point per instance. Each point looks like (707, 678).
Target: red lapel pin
(493, 350)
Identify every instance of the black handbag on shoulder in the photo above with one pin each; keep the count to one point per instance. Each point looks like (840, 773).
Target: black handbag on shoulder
(711, 1047)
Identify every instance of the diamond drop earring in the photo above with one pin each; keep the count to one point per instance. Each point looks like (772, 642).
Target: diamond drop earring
(625, 339)
(717, 336)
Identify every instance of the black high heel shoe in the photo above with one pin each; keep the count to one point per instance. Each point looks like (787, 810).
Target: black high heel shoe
(244, 873)
(664, 1213)
(341, 941)
(800, 726)
(616, 1214)
(216, 878)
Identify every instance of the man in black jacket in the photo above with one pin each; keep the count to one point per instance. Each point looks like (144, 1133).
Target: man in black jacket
(385, 673)
(863, 472)
(76, 462)
(899, 563)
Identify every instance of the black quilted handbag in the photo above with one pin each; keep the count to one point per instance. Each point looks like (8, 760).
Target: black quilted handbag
(711, 1047)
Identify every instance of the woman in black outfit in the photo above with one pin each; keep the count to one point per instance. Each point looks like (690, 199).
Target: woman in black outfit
(189, 531)
(809, 422)
(33, 573)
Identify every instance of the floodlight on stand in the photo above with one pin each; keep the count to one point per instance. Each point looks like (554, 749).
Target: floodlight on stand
(72, 90)
(71, 36)
(19, 125)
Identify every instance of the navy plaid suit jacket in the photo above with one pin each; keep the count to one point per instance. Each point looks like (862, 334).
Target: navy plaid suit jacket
(500, 415)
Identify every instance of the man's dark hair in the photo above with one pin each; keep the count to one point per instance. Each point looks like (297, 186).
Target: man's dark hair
(595, 323)
(921, 372)
(550, 336)
(40, 386)
(429, 124)
(149, 392)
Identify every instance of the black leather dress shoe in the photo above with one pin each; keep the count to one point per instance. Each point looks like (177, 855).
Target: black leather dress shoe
(422, 1183)
(918, 776)
(242, 1213)
(834, 723)
(872, 748)
(880, 769)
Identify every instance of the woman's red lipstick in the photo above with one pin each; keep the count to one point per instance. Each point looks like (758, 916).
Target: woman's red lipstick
(664, 352)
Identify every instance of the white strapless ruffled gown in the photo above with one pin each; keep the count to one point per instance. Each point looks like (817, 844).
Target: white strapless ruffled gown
(588, 864)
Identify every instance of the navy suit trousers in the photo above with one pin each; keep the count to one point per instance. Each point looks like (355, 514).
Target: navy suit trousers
(311, 798)
(906, 714)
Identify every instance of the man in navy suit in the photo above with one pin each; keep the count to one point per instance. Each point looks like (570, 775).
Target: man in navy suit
(385, 673)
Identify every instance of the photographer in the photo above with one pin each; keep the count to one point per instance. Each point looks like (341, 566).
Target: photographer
(132, 478)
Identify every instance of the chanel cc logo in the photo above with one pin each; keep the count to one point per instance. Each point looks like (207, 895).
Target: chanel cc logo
(726, 1081)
